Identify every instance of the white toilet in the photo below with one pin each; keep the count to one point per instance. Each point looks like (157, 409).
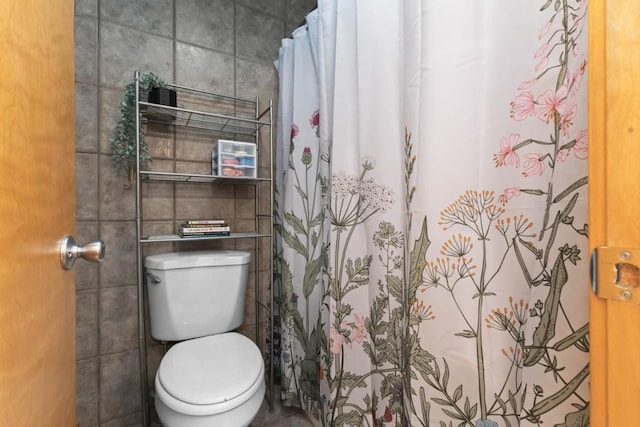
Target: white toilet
(213, 377)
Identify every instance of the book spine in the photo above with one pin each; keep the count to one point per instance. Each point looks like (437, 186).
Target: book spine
(200, 234)
(190, 230)
(205, 222)
(204, 225)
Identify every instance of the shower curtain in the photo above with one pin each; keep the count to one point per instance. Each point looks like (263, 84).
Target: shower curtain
(431, 214)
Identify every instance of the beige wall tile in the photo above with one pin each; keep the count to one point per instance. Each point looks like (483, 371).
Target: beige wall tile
(151, 16)
(206, 23)
(118, 319)
(87, 399)
(119, 385)
(86, 324)
(123, 50)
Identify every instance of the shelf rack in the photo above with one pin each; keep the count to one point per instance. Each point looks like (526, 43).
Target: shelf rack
(219, 120)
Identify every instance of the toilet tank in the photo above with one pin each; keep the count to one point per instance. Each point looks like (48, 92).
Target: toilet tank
(196, 293)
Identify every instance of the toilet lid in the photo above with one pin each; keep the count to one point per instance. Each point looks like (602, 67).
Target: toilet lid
(210, 370)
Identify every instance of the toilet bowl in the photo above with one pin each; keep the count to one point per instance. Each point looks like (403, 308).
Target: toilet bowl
(212, 377)
(213, 381)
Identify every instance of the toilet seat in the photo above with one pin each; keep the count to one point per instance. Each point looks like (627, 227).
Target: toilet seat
(210, 375)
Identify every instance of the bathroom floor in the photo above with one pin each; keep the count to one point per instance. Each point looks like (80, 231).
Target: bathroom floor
(280, 417)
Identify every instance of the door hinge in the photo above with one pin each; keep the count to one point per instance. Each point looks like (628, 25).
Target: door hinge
(615, 274)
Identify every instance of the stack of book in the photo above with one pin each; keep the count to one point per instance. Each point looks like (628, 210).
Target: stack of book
(204, 227)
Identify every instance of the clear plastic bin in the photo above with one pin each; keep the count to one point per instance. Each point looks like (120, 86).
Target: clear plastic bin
(234, 159)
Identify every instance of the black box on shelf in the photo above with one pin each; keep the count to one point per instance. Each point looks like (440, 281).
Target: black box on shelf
(162, 96)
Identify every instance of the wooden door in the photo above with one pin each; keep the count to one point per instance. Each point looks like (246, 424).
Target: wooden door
(37, 208)
(614, 203)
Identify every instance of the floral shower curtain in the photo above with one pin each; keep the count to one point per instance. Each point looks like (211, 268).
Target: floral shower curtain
(432, 214)
(299, 220)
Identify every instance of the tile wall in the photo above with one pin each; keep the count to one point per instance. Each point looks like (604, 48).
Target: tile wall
(226, 46)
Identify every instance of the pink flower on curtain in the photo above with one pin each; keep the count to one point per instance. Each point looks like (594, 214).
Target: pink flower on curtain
(523, 106)
(544, 30)
(294, 130)
(577, 76)
(562, 155)
(315, 119)
(568, 115)
(507, 156)
(387, 414)
(387, 417)
(541, 50)
(533, 165)
(527, 84)
(581, 149)
(307, 157)
(508, 194)
(577, 18)
(336, 340)
(543, 63)
(359, 330)
(551, 103)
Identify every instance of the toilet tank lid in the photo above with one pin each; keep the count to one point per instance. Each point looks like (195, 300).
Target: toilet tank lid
(190, 259)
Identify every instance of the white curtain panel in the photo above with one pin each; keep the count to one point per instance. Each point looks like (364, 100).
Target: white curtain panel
(452, 235)
(299, 220)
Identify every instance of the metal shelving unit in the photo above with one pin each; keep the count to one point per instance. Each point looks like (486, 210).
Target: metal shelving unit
(219, 116)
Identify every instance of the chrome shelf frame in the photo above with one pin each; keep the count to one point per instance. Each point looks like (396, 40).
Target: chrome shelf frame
(175, 238)
(217, 115)
(147, 175)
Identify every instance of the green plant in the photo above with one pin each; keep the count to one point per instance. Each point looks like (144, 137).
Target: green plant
(123, 140)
